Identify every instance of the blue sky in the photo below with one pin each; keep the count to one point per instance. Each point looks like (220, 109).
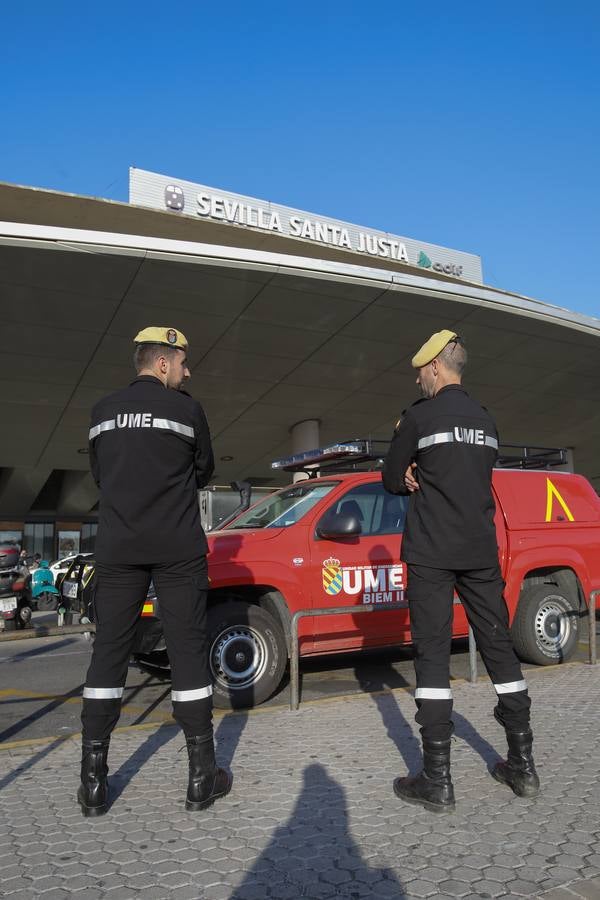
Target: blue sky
(472, 125)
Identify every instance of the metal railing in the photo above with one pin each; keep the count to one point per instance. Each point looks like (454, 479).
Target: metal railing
(351, 610)
(356, 610)
(592, 626)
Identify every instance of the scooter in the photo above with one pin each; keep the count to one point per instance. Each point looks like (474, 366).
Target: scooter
(44, 593)
(15, 598)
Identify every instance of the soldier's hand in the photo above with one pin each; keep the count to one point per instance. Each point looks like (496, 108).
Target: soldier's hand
(410, 481)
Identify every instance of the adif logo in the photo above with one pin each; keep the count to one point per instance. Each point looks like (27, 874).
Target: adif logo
(332, 576)
(424, 262)
(174, 198)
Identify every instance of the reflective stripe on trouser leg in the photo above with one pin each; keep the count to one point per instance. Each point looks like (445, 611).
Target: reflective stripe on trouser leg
(430, 593)
(100, 712)
(481, 591)
(513, 706)
(192, 710)
(182, 589)
(94, 693)
(99, 716)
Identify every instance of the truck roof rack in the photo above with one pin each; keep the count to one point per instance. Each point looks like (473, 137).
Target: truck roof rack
(364, 454)
(530, 457)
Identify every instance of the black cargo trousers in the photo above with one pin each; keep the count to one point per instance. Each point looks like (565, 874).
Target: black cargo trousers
(430, 602)
(120, 593)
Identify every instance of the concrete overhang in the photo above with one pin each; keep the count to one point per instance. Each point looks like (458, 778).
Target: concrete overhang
(275, 339)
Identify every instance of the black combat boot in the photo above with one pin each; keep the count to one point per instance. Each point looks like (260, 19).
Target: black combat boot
(518, 771)
(207, 782)
(93, 791)
(431, 788)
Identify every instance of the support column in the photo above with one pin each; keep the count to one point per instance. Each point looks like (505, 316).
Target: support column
(305, 436)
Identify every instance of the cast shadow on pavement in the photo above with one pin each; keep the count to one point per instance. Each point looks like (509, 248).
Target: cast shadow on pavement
(54, 704)
(380, 684)
(313, 854)
(24, 767)
(120, 778)
(227, 737)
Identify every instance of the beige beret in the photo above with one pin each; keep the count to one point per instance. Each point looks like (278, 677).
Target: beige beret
(161, 335)
(432, 348)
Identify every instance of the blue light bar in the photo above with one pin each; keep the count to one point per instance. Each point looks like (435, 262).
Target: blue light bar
(321, 454)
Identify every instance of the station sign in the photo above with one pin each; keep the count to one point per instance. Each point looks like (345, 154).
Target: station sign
(198, 201)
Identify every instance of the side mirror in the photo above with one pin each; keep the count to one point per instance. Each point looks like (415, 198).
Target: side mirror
(335, 525)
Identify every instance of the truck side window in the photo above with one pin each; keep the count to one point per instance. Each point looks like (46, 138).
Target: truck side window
(377, 511)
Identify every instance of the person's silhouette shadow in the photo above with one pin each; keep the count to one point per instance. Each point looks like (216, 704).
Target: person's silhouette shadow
(313, 854)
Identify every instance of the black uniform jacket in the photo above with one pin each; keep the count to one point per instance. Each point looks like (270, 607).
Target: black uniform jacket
(450, 521)
(150, 451)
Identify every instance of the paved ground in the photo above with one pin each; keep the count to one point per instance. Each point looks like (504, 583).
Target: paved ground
(41, 682)
(312, 813)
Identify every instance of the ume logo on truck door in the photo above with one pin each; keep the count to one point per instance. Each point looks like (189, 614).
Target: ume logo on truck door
(375, 584)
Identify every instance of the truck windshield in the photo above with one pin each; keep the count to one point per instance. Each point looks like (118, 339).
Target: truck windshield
(284, 508)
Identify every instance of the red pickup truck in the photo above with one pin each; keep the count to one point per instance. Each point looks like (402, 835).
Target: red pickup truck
(334, 541)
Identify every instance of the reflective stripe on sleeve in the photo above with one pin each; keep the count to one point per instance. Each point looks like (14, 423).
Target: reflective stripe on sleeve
(173, 426)
(90, 693)
(107, 425)
(433, 694)
(491, 442)
(511, 687)
(197, 694)
(442, 437)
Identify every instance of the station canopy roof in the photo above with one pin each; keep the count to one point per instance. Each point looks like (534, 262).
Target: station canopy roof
(275, 338)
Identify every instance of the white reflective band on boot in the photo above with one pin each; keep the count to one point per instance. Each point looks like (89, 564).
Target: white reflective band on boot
(196, 694)
(102, 693)
(433, 694)
(511, 687)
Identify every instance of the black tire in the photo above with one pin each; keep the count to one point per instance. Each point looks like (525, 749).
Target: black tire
(545, 629)
(47, 601)
(247, 654)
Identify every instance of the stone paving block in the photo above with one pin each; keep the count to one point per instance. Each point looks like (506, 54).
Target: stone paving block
(589, 889)
(558, 894)
(320, 808)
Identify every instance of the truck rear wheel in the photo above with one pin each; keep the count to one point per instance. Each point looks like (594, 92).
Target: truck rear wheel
(546, 626)
(247, 654)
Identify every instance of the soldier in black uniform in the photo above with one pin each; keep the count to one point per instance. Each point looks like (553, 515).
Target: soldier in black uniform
(150, 451)
(450, 544)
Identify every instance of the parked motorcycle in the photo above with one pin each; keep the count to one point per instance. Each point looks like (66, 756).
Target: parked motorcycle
(44, 593)
(15, 597)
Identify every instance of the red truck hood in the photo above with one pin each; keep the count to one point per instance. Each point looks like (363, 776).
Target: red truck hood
(226, 544)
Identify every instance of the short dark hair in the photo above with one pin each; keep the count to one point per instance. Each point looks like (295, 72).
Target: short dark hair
(454, 355)
(145, 355)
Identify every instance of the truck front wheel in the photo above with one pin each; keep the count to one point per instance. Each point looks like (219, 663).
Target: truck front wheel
(247, 654)
(545, 627)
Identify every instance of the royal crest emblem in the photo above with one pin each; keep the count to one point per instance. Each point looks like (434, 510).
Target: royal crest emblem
(332, 576)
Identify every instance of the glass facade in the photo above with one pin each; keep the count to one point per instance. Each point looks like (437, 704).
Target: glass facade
(38, 537)
(88, 537)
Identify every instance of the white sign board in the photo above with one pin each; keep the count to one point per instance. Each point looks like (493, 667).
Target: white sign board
(201, 202)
